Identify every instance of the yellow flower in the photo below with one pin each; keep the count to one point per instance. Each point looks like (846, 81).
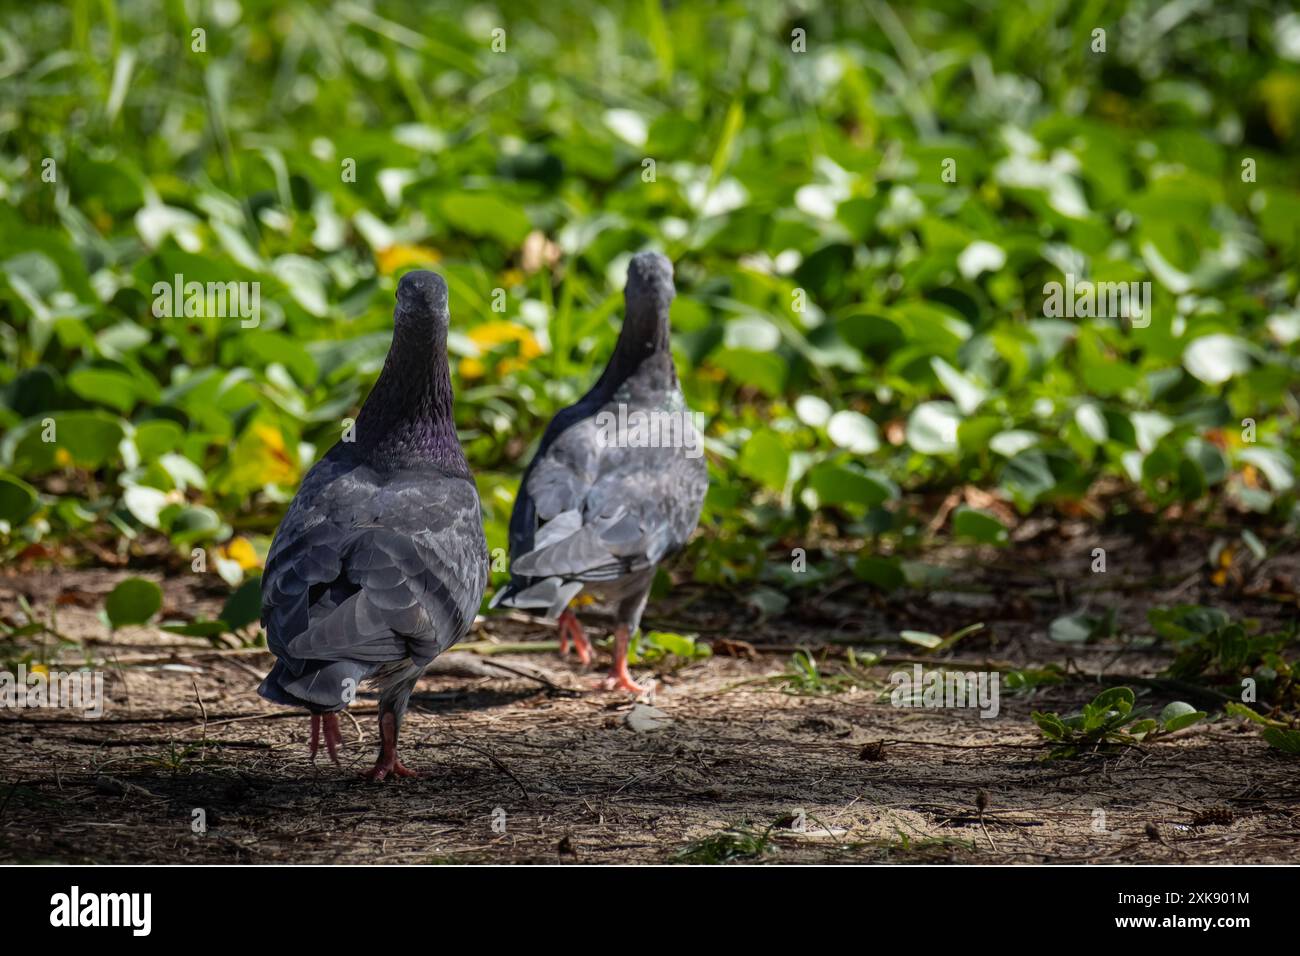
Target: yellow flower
(1219, 578)
(258, 458)
(62, 458)
(401, 254)
(471, 368)
(496, 332)
(241, 551)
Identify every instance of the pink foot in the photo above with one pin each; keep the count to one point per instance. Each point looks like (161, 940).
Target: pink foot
(329, 723)
(570, 626)
(619, 676)
(387, 765)
(384, 769)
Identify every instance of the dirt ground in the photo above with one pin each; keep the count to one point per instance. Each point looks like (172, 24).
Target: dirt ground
(533, 765)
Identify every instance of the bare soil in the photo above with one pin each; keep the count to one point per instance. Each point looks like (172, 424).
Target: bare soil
(531, 764)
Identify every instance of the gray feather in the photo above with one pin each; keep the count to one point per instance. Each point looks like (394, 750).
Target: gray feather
(380, 562)
(603, 514)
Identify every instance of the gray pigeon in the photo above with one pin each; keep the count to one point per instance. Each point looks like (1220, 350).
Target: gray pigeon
(380, 562)
(617, 483)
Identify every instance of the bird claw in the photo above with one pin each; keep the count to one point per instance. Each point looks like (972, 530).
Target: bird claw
(384, 768)
(329, 725)
(622, 680)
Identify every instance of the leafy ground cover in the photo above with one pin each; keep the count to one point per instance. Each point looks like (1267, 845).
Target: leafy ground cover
(868, 207)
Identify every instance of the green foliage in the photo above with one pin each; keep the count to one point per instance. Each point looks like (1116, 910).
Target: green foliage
(734, 843)
(134, 601)
(1213, 648)
(805, 677)
(1080, 628)
(656, 647)
(1278, 734)
(854, 326)
(978, 526)
(1110, 720)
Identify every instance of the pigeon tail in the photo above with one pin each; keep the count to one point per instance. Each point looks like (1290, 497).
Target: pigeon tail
(320, 686)
(547, 597)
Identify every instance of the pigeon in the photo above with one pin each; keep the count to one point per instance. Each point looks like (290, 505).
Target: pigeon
(616, 486)
(380, 562)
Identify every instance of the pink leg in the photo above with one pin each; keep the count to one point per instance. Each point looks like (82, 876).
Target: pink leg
(570, 626)
(329, 723)
(388, 763)
(619, 676)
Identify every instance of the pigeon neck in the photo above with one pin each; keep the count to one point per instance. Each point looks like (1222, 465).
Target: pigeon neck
(407, 421)
(645, 334)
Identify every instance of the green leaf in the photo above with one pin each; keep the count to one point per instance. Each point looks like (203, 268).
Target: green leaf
(1119, 699)
(932, 428)
(85, 439)
(18, 500)
(979, 526)
(921, 639)
(1073, 629)
(1050, 725)
(244, 607)
(190, 523)
(486, 214)
(766, 371)
(765, 459)
(156, 437)
(1092, 422)
(145, 504)
(1214, 359)
(1277, 467)
(1178, 715)
(853, 431)
(1012, 442)
(655, 646)
(884, 573)
(964, 392)
(134, 601)
(1028, 477)
(1241, 710)
(1143, 728)
(1287, 741)
(846, 485)
(117, 390)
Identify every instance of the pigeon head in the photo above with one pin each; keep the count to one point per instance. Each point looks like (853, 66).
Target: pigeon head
(648, 296)
(407, 419)
(649, 281)
(421, 302)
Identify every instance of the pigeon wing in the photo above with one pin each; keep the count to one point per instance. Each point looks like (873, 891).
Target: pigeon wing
(376, 572)
(641, 507)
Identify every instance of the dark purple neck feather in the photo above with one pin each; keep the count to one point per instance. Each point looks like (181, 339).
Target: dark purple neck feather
(646, 332)
(407, 420)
